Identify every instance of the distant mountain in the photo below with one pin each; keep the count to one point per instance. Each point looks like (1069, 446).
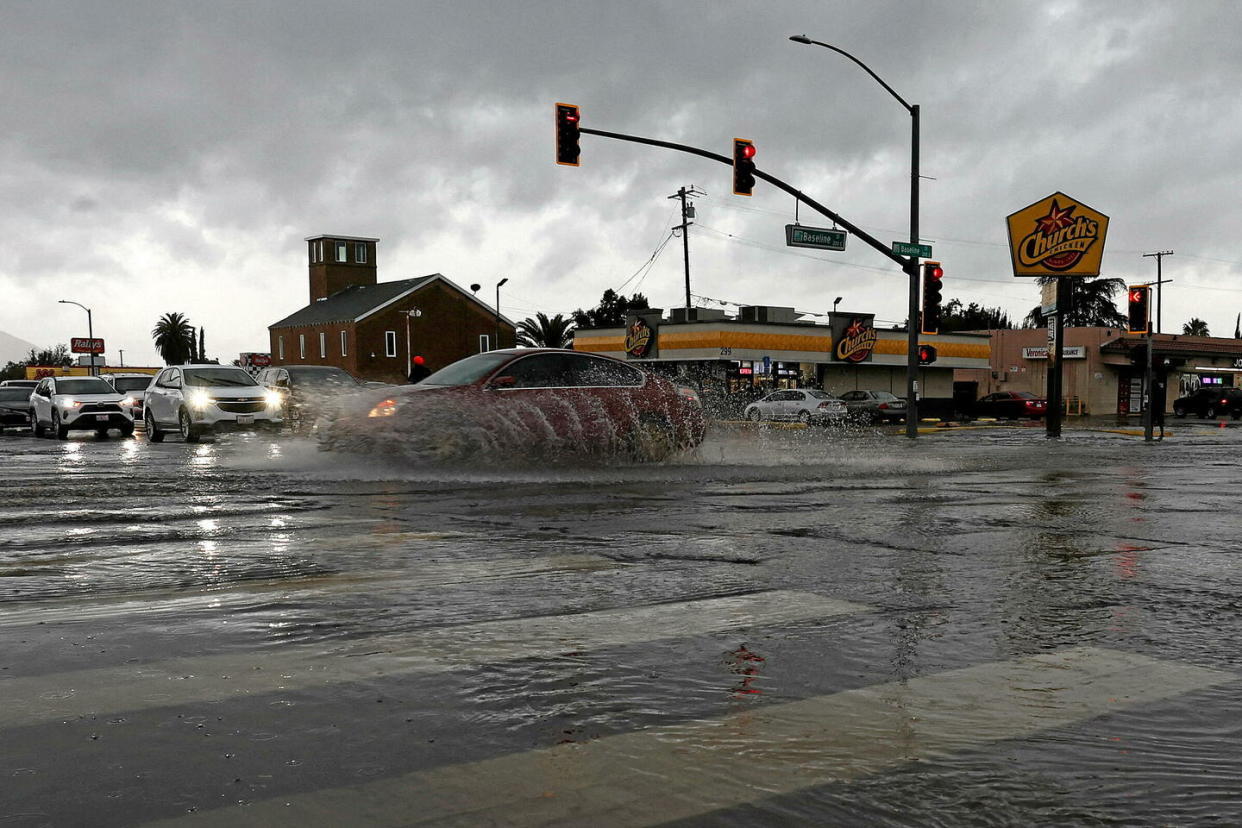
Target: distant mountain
(13, 349)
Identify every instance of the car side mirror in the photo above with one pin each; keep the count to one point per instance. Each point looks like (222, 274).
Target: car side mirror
(503, 382)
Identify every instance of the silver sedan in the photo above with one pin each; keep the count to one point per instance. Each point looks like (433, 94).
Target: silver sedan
(802, 405)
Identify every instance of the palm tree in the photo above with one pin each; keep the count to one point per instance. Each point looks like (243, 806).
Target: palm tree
(1195, 327)
(174, 338)
(1090, 304)
(542, 332)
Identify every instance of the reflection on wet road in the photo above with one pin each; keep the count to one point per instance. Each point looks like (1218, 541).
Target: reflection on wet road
(786, 627)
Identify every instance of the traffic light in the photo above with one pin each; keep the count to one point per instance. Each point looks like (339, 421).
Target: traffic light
(1140, 316)
(743, 166)
(567, 150)
(932, 276)
(927, 354)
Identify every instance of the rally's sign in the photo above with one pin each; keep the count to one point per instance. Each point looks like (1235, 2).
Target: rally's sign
(1057, 236)
(853, 337)
(86, 345)
(252, 359)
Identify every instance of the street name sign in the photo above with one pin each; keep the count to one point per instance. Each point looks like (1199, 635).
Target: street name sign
(86, 345)
(923, 251)
(818, 237)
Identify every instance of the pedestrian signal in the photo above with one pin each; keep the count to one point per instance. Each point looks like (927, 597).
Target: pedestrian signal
(927, 354)
(567, 124)
(743, 166)
(1140, 310)
(933, 275)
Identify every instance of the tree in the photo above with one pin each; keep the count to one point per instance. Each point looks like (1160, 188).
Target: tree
(1090, 304)
(1195, 327)
(611, 310)
(58, 357)
(973, 317)
(542, 332)
(202, 348)
(174, 338)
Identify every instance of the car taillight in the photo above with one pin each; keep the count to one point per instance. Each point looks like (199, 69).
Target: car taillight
(688, 393)
(824, 405)
(386, 408)
(883, 405)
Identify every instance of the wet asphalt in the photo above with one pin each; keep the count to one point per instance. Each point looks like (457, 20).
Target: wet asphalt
(786, 627)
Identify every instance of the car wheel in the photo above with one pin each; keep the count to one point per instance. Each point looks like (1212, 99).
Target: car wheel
(101, 433)
(753, 415)
(804, 417)
(651, 440)
(127, 431)
(36, 430)
(59, 430)
(1211, 412)
(188, 432)
(153, 430)
(1179, 412)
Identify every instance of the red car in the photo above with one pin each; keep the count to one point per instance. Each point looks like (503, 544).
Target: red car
(1011, 405)
(524, 401)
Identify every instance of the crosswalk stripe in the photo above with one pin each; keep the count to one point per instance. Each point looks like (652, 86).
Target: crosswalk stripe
(58, 696)
(687, 770)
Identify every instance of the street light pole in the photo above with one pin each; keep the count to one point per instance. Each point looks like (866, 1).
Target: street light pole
(912, 334)
(498, 284)
(409, 353)
(90, 328)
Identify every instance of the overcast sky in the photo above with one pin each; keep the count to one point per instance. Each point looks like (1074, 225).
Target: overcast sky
(171, 156)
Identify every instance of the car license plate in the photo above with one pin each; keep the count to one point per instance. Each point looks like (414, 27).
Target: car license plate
(245, 419)
(101, 418)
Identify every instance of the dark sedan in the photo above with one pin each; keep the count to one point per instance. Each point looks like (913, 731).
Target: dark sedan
(543, 402)
(1012, 405)
(1210, 403)
(14, 407)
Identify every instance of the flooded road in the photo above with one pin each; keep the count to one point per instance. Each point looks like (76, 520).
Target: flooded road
(786, 627)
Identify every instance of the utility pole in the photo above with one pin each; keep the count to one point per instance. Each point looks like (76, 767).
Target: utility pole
(687, 213)
(1159, 256)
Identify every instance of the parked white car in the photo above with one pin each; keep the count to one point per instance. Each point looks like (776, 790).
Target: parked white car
(804, 405)
(194, 400)
(63, 404)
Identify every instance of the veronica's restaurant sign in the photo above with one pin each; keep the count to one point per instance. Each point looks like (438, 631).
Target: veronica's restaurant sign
(1067, 351)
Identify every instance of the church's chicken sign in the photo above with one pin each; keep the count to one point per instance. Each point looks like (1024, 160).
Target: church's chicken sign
(1057, 236)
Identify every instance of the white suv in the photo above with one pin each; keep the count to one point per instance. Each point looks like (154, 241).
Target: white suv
(199, 399)
(66, 403)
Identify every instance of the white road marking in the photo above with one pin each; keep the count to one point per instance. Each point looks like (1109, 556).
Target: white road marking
(691, 769)
(60, 696)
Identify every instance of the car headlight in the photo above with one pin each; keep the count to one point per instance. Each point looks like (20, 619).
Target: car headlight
(385, 408)
(200, 399)
(70, 403)
(273, 398)
(128, 401)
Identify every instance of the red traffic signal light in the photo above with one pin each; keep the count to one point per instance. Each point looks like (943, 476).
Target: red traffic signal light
(927, 354)
(567, 124)
(743, 166)
(932, 276)
(1140, 309)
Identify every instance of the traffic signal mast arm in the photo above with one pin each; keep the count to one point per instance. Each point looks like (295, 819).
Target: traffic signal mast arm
(774, 181)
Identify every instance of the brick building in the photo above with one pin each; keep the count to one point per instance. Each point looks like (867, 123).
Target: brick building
(372, 329)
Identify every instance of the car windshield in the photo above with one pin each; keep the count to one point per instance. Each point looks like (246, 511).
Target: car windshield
(11, 394)
(884, 395)
(321, 376)
(821, 395)
(467, 371)
(208, 377)
(89, 385)
(127, 384)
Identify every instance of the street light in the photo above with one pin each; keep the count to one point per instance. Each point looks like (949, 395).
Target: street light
(412, 313)
(912, 336)
(498, 284)
(836, 302)
(90, 328)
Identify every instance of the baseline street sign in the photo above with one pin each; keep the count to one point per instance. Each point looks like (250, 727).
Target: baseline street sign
(818, 237)
(85, 345)
(923, 251)
(1057, 236)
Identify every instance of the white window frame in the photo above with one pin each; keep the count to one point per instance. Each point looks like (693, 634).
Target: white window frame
(485, 343)
(280, 347)
(323, 344)
(360, 252)
(301, 346)
(390, 343)
(342, 252)
(344, 340)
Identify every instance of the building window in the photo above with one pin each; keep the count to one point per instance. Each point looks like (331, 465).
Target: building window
(280, 348)
(485, 343)
(343, 343)
(341, 249)
(390, 343)
(323, 345)
(311, 246)
(360, 252)
(319, 250)
(301, 346)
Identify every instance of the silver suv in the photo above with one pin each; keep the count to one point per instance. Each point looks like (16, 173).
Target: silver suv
(63, 404)
(201, 399)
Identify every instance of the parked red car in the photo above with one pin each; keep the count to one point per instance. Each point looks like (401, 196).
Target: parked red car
(524, 401)
(1011, 405)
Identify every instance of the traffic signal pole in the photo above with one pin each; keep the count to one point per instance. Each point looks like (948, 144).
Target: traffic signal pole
(912, 326)
(1056, 330)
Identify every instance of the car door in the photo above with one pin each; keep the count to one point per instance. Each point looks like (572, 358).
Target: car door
(535, 393)
(795, 404)
(40, 401)
(164, 394)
